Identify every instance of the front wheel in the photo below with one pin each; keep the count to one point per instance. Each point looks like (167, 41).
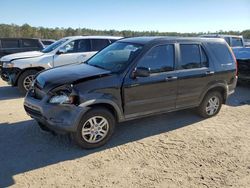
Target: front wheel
(95, 128)
(25, 80)
(210, 105)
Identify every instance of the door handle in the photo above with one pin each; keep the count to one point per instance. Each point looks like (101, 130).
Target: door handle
(209, 72)
(171, 78)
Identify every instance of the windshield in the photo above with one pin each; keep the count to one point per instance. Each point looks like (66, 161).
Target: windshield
(54, 46)
(116, 56)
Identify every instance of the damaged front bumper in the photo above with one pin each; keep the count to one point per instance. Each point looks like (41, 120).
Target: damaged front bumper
(58, 118)
(10, 75)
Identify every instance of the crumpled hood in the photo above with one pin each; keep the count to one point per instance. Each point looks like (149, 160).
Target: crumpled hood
(21, 55)
(69, 74)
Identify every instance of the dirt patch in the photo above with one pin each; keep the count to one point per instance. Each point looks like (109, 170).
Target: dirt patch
(177, 149)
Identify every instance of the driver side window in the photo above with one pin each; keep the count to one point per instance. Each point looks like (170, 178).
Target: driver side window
(69, 48)
(158, 59)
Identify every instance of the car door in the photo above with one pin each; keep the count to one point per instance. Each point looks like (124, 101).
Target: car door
(157, 92)
(194, 74)
(75, 51)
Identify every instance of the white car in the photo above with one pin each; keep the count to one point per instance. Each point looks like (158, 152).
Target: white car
(19, 69)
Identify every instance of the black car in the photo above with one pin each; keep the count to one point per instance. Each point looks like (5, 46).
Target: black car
(132, 78)
(15, 45)
(244, 70)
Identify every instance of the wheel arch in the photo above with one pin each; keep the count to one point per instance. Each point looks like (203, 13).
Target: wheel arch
(221, 88)
(110, 105)
(23, 70)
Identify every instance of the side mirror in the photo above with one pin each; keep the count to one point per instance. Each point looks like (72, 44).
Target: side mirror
(61, 51)
(141, 72)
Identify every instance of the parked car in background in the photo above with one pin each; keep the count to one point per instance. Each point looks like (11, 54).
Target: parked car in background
(15, 45)
(247, 42)
(20, 68)
(132, 78)
(241, 51)
(47, 42)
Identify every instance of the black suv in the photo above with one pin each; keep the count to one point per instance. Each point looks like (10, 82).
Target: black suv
(15, 45)
(132, 78)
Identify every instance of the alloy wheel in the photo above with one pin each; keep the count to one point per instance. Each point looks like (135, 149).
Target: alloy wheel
(95, 129)
(28, 81)
(212, 105)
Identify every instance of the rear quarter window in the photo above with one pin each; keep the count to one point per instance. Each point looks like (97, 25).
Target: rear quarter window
(221, 52)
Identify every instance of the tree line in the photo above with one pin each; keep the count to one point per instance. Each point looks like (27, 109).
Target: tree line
(13, 30)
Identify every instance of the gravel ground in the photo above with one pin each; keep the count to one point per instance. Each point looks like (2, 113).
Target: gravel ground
(177, 149)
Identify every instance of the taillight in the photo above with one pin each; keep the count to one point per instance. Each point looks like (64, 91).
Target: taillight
(235, 60)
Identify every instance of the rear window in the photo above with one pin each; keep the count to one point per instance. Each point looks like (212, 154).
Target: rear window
(236, 42)
(28, 43)
(10, 43)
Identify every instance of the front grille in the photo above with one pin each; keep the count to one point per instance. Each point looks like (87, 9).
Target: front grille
(32, 112)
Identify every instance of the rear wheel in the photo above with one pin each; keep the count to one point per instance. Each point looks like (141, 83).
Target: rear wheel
(95, 128)
(25, 80)
(210, 105)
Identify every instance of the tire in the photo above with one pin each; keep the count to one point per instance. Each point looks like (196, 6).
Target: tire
(91, 122)
(204, 110)
(25, 77)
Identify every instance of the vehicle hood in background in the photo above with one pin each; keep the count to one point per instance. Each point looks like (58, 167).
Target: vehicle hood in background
(241, 53)
(22, 55)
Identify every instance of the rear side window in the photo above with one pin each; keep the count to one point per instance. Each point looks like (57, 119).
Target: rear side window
(27, 43)
(10, 43)
(236, 42)
(98, 44)
(159, 59)
(192, 56)
(82, 45)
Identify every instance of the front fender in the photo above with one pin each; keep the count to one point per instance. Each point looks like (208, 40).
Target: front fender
(119, 112)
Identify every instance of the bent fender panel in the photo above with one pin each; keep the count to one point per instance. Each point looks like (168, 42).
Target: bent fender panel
(120, 115)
